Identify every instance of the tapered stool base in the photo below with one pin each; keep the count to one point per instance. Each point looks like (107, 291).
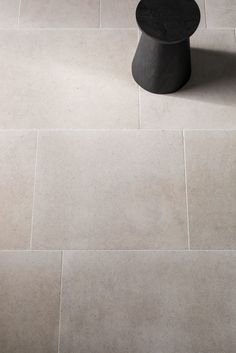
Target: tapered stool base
(159, 67)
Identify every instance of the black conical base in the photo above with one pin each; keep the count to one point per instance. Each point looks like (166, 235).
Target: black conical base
(161, 68)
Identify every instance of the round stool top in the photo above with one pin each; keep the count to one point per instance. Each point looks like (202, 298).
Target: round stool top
(169, 21)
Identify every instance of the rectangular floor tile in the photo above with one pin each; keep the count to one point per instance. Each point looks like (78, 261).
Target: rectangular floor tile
(68, 79)
(59, 13)
(17, 160)
(29, 301)
(211, 171)
(118, 13)
(208, 100)
(110, 190)
(172, 302)
(221, 13)
(122, 13)
(9, 10)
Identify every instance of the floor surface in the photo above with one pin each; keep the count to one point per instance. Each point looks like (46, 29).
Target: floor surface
(118, 207)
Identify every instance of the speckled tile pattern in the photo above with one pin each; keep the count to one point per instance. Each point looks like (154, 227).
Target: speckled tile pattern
(17, 160)
(68, 79)
(211, 169)
(63, 13)
(148, 301)
(9, 13)
(29, 301)
(117, 206)
(110, 190)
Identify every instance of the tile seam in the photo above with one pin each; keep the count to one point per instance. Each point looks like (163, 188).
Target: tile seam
(68, 29)
(139, 94)
(186, 190)
(139, 109)
(109, 129)
(19, 13)
(98, 28)
(205, 13)
(34, 189)
(100, 13)
(60, 302)
(116, 250)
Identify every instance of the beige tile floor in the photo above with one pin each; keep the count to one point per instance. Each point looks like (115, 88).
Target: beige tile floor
(118, 207)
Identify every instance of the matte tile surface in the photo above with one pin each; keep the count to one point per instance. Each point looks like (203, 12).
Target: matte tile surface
(122, 13)
(110, 190)
(9, 13)
(118, 13)
(208, 100)
(29, 301)
(211, 171)
(221, 13)
(201, 4)
(172, 302)
(17, 160)
(59, 13)
(68, 79)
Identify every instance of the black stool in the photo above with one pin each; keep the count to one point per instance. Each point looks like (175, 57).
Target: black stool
(162, 63)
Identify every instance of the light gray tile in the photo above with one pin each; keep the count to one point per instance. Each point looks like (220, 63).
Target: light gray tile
(29, 301)
(118, 13)
(211, 171)
(201, 4)
(221, 13)
(9, 13)
(208, 101)
(109, 190)
(17, 160)
(172, 302)
(59, 13)
(68, 79)
(122, 13)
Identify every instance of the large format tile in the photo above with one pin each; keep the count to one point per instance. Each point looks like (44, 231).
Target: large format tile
(172, 302)
(122, 13)
(17, 160)
(68, 79)
(221, 13)
(118, 13)
(9, 13)
(29, 301)
(208, 100)
(211, 172)
(59, 13)
(110, 190)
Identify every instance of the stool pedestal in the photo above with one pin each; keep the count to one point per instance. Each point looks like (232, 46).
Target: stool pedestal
(162, 63)
(161, 68)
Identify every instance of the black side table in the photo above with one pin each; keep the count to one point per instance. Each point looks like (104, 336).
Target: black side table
(162, 63)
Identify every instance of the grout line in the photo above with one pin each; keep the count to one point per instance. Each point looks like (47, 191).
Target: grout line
(205, 7)
(69, 28)
(99, 28)
(86, 129)
(186, 190)
(100, 14)
(60, 303)
(213, 28)
(19, 11)
(139, 109)
(34, 187)
(139, 91)
(112, 130)
(117, 250)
